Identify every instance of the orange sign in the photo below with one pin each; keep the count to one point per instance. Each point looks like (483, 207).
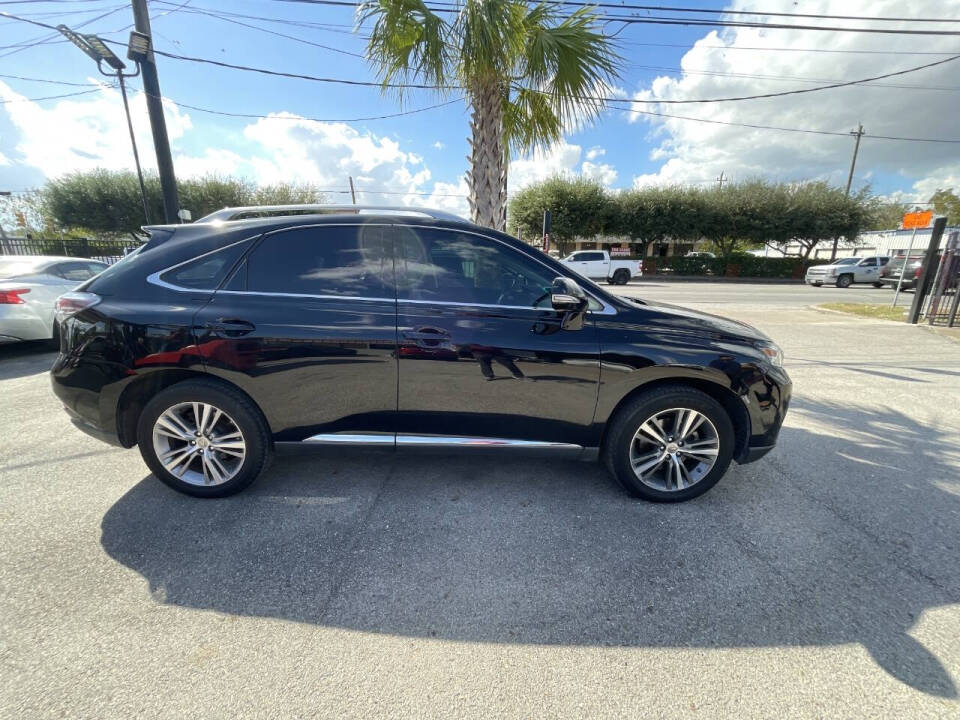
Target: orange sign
(915, 220)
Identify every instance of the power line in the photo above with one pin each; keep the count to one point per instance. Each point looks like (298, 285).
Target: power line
(690, 22)
(786, 49)
(211, 111)
(50, 97)
(418, 86)
(713, 11)
(274, 116)
(774, 127)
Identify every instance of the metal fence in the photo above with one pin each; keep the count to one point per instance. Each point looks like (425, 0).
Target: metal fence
(108, 251)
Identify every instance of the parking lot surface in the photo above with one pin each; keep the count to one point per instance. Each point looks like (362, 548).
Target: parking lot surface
(822, 581)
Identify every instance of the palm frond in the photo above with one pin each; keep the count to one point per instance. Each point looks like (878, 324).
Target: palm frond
(408, 42)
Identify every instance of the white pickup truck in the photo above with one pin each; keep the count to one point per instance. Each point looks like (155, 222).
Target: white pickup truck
(597, 265)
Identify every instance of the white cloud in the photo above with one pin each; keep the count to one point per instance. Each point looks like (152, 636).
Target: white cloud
(595, 152)
(604, 173)
(697, 152)
(439, 145)
(561, 159)
(85, 134)
(282, 147)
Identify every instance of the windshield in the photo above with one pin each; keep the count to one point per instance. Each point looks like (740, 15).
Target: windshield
(11, 267)
(897, 262)
(848, 261)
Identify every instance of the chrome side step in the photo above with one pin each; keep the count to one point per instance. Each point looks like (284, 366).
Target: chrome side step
(352, 439)
(441, 443)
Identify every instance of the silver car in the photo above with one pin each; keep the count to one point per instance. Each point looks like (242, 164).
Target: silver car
(29, 286)
(847, 271)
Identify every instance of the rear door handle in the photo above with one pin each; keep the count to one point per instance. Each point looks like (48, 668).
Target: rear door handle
(230, 328)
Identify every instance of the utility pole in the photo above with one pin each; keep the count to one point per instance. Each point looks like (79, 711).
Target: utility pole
(353, 195)
(721, 180)
(161, 143)
(858, 133)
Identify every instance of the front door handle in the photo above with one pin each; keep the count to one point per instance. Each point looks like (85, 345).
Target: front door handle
(230, 328)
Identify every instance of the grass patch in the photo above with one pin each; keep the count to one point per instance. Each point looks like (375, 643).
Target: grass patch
(879, 312)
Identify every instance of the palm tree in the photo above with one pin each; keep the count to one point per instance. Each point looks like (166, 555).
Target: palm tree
(527, 72)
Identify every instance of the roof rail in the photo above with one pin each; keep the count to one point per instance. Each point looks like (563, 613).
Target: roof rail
(255, 211)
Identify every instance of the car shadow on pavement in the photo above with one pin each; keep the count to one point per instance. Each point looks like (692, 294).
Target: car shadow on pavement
(847, 533)
(25, 358)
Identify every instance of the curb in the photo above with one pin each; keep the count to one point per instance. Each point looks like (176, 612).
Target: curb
(715, 279)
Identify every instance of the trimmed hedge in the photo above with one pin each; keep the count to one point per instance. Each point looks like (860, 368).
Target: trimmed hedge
(738, 265)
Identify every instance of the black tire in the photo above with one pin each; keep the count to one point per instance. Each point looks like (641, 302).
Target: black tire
(237, 406)
(878, 284)
(621, 277)
(844, 281)
(55, 336)
(620, 434)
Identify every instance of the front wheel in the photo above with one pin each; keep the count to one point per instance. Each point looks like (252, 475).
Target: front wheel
(669, 444)
(844, 281)
(203, 439)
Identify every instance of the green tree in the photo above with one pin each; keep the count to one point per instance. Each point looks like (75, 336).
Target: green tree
(885, 215)
(106, 202)
(578, 208)
(946, 202)
(528, 72)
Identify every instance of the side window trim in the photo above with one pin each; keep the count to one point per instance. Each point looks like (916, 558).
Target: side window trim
(157, 279)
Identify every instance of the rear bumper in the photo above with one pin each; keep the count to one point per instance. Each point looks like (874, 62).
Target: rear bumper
(82, 424)
(82, 405)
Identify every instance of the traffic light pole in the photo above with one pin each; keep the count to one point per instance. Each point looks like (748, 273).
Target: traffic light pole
(161, 143)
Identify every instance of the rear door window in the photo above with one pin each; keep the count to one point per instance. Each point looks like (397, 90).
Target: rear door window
(334, 260)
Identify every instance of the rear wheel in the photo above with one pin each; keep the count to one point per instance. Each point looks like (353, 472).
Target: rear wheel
(203, 439)
(844, 281)
(878, 284)
(621, 277)
(670, 444)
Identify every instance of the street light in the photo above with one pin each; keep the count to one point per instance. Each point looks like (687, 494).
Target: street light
(98, 51)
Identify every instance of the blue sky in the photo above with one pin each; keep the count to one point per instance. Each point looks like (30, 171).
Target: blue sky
(425, 152)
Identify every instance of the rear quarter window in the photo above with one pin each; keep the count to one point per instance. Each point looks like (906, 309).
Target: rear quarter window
(207, 271)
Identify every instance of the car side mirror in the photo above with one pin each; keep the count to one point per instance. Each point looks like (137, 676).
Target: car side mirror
(567, 296)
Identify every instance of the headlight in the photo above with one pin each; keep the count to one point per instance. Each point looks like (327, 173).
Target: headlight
(773, 353)
(832, 271)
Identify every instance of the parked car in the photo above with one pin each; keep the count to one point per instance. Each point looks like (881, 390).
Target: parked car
(223, 341)
(845, 272)
(890, 275)
(597, 265)
(29, 287)
(701, 254)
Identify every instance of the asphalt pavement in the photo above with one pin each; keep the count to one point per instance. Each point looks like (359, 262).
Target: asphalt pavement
(822, 581)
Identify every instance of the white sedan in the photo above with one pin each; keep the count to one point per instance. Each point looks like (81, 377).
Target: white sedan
(29, 287)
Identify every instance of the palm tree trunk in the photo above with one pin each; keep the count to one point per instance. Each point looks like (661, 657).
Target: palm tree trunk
(487, 177)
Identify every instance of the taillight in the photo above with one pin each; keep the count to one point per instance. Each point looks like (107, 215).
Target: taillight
(916, 273)
(73, 302)
(12, 297)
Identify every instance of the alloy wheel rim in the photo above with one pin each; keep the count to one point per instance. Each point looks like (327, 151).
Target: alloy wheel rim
(199, 443)
(674, 449)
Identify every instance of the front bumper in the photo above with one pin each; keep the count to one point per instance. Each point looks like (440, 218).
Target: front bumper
(754, 453)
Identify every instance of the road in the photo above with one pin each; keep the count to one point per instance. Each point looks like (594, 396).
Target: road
(822, 581)
(760, 294)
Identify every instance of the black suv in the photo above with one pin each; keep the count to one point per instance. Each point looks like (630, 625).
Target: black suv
(254, 330)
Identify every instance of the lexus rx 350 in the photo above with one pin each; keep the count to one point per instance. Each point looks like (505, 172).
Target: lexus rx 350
(250, 331)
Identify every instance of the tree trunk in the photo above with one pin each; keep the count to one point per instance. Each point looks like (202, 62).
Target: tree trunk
(487, 177)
